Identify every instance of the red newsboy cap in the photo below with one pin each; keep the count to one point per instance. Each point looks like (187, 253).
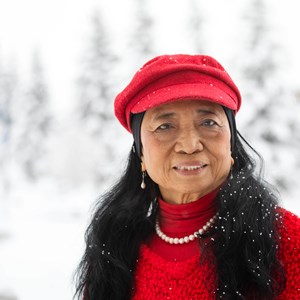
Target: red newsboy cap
(169, 78)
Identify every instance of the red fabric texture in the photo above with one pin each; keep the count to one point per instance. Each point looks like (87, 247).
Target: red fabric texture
(158, 277)
(170, 78)
(179, 221)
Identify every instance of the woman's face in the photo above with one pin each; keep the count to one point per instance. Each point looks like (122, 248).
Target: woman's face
(186, 149)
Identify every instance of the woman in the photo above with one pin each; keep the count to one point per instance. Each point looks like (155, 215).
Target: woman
(191, 217)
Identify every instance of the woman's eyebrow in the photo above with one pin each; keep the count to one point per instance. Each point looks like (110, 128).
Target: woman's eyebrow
(206, 111)
(161, 116)
(169, 115)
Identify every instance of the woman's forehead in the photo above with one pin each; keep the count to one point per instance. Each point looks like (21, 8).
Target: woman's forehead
(175, 107)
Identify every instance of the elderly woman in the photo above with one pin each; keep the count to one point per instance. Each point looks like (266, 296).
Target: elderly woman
(191, 217)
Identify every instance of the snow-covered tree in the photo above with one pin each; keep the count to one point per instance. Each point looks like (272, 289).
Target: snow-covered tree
(258, 54)
(8, 91)
(270, 114)
(96, 80)
(141, 41)
(195, 25)
(95, 104)
(34, 121)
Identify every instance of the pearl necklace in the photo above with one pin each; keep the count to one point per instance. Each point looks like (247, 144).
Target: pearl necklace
(185, 239)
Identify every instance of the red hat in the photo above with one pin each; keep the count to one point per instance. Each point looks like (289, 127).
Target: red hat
(169, 78)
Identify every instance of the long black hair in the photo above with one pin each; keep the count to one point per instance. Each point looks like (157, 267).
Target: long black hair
(245, 242)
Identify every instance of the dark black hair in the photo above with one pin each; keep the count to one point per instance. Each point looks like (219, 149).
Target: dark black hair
(248, 231)
(245, 243)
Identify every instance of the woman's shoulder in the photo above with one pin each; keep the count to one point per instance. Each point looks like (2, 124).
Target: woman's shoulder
(289, 221)
(287, 213)
(289, 251)
(289, 226)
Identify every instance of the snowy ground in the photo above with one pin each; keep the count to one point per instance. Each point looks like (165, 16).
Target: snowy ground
(41, 240)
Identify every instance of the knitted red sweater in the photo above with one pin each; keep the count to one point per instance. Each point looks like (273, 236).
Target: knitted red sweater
(160, 275)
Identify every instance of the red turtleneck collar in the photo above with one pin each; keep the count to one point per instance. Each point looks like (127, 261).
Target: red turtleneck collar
(179, 220)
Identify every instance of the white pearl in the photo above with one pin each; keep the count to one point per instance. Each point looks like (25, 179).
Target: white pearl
(191, 237)
(185, 239)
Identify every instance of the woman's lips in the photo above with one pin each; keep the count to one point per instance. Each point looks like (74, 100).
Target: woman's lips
(189, 168)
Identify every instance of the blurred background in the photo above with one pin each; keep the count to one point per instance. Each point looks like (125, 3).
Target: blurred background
(61, 64)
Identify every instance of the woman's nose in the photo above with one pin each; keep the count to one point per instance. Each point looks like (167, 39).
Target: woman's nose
(188, 142)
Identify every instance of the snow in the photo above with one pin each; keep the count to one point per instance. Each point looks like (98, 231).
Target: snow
(42, 223)
(43, 241)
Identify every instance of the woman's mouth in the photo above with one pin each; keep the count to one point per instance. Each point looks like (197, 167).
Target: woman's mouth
(189, 168)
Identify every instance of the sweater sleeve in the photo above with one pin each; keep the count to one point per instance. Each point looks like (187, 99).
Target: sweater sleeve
(289, 254)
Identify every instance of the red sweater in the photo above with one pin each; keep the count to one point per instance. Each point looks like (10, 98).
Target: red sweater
(166, 271)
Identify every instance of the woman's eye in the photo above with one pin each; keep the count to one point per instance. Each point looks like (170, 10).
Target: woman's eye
(209, 123)
(164, 127)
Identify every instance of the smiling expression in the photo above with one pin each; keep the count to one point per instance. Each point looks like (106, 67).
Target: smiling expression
(186, 149)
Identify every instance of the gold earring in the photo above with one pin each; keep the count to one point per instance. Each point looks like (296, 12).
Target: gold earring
(143, 184)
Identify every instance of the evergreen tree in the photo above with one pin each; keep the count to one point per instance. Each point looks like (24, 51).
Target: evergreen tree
(34, 123)
(96, 97)
(195, 24)
(8, 89)
(271, 109)
(95, 82)
(142, 40)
